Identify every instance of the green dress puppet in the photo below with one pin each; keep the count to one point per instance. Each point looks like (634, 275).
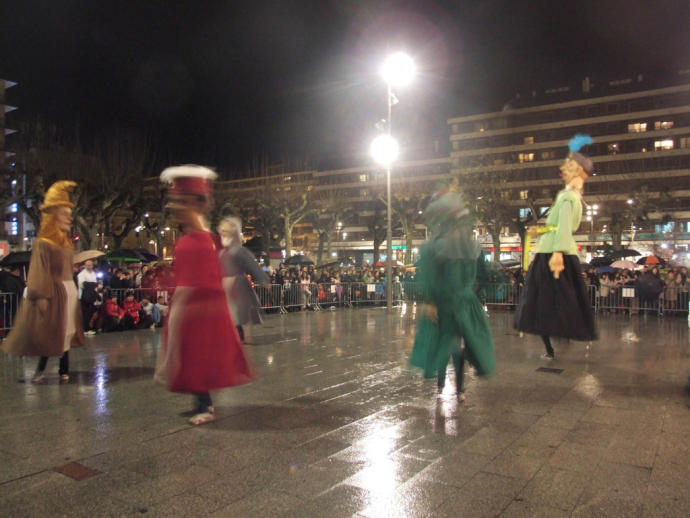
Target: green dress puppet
(446, 274)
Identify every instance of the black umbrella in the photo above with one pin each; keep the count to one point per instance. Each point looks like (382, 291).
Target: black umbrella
(596, 262)
(125, 255)
(16, 259)
(148, 256)
(626, 252)
(298, 260)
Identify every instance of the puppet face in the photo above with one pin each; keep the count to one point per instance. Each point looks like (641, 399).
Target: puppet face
(227, 229)
(185, 209)
(63, 218)
(573, 174)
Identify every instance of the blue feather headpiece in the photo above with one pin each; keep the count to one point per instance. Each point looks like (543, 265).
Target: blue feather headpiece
(579, 141)
(575, 144)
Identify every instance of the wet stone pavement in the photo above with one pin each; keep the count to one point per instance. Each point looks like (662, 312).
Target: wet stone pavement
(337, 425)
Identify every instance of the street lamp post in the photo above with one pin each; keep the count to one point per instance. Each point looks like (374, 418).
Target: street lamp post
(397, 70)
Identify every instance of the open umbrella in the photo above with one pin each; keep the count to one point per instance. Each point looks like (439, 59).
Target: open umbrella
(125, 255)
(605, 269)
(510, 263)
(600, 261)
(626, 265)
(148, 256)
(626, 252)
(298, 260)
(16, 259)
(650, 260)
(85, 255)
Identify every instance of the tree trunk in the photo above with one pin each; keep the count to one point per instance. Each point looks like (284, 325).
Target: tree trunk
(496, 237)
(377, 250)
(288, 236)
(319, 252)
(408, 248)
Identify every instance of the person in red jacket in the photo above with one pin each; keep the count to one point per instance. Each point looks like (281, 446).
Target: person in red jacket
(132, 312)
(200, 348)
(112, 314)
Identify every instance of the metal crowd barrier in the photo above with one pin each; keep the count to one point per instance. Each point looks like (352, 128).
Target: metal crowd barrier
(8, 310)
(316, 296)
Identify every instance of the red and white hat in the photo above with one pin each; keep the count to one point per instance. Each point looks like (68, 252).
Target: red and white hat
(189, 179)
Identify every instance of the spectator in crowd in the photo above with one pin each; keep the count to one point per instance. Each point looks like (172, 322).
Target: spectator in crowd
(132, 312)
(87, 283)
(162, 309)
(112, 314)
(12, 287)
(150, 314)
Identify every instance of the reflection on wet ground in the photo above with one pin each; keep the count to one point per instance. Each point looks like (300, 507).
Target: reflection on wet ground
(337, 425)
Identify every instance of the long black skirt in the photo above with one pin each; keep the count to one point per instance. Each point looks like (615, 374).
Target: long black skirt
(556, 307)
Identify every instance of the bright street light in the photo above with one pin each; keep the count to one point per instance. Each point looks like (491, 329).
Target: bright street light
(384, 150)
(398, 69)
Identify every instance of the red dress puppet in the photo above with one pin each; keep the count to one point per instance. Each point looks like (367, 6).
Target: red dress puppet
(201, 349)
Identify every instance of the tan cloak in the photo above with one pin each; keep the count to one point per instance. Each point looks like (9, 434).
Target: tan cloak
(51, 333)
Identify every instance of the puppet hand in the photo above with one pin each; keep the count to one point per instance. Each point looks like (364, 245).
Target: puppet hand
(556, 264)
(431, 312)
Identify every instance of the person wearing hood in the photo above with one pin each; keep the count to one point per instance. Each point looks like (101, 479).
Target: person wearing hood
(446, 274)
(49, 322)
(555, 301)
(237, 262)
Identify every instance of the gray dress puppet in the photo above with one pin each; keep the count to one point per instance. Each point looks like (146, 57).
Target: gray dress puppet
(236, 262)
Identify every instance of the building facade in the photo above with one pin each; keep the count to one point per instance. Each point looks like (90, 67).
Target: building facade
(639, 194)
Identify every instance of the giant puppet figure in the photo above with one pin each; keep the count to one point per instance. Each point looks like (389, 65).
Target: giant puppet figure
(237, 262)
(446, 274)
(201, 350)
(49, 321)
(555, 301)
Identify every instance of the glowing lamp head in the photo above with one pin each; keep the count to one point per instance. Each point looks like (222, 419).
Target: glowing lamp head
(398, 69)
(384, 150)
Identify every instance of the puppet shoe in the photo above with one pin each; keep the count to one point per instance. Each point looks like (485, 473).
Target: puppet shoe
(461, 397)
(64, 378)
(38, 378)
(547, 356)
(200, 419)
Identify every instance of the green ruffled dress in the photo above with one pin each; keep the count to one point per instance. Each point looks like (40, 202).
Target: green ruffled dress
(446, 274)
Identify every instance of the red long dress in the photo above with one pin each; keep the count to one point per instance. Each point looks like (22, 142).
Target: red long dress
(200, 350)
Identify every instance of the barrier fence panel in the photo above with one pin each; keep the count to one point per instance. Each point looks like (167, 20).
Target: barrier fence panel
(270, 296)
(9, 310)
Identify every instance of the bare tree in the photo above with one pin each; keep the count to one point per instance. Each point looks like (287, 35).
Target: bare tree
(407, 205)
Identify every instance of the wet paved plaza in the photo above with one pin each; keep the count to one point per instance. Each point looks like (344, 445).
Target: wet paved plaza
(337, 425)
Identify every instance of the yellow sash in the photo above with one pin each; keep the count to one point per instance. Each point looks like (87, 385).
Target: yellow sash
(528, 243)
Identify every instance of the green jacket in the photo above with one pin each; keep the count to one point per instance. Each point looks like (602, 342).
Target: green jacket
(565, 214)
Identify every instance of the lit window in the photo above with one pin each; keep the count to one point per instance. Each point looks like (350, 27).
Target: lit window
(505, 195)
(668, 227)
(663, 144)
(14, 227)
(363, 177)
(480, 126)
(524, 213)
(613, 148)
(529, 140)
(547, 155)
(663, 125)
(526, 157)
(13, 207)
(684, 142)
(287, 178)
(637, 127)
(364, 193)
(524, 194)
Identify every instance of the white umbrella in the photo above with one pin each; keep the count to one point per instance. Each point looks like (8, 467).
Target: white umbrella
(85, 255)
(626, 265)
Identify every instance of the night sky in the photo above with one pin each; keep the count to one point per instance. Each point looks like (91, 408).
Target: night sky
(225, 83)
